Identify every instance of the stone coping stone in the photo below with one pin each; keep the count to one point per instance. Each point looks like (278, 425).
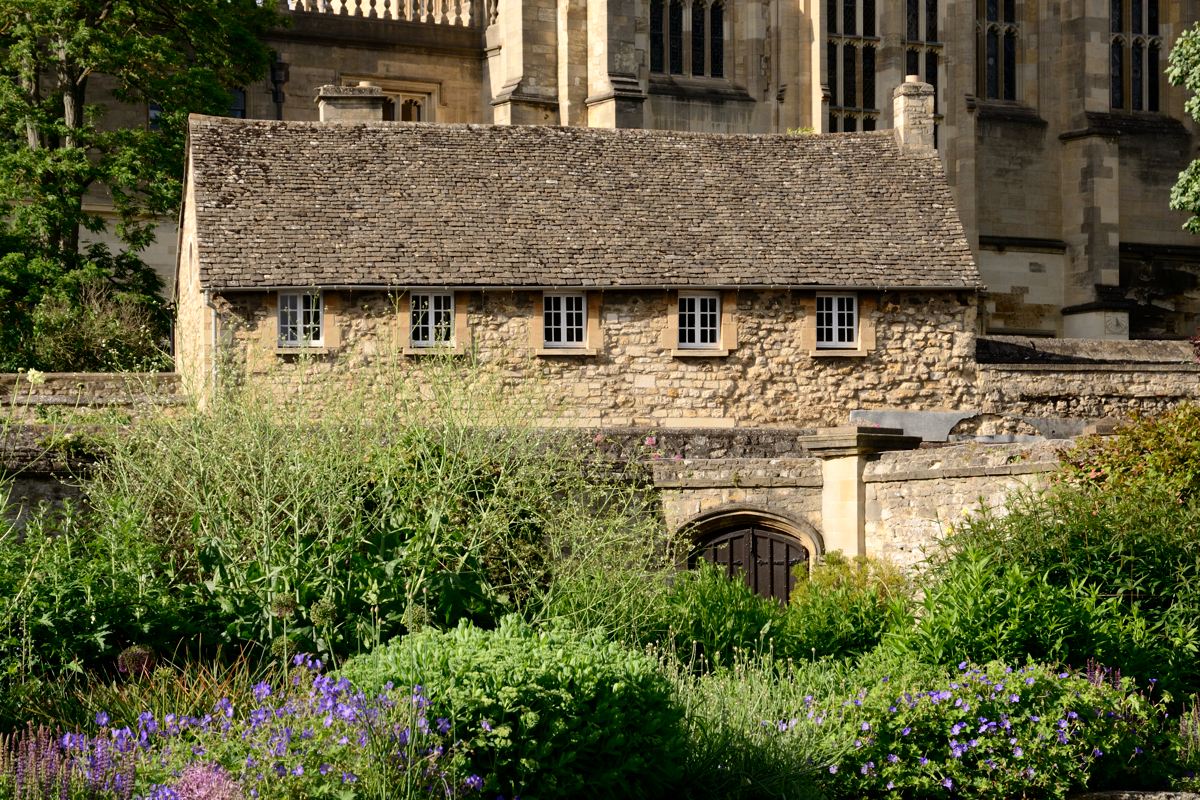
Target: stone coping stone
(1031, 350)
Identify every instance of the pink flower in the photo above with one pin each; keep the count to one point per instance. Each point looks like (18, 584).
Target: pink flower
(651, 440)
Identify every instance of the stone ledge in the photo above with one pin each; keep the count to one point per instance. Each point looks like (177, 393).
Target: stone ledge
(1031, 468)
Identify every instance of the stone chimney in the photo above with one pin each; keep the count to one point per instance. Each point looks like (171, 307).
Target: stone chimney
(912, 108)
(362, 103)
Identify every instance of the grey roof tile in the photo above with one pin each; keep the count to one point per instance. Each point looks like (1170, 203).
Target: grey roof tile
(399, 204)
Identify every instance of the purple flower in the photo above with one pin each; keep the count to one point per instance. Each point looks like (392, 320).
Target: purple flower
(833, 769)
(101, 718)
(949, 784)
(262, 690)
(474, 783)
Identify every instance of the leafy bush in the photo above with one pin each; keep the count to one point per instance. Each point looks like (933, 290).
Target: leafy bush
(71, 599)
(711, 619)
(845, 606)
(990, 732)
(567, 715)
(1068, 576)
(404, 505)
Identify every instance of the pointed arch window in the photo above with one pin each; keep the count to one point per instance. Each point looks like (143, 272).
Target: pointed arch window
(1135, 55)
(850, 50)
(687, 37)
(997, 38)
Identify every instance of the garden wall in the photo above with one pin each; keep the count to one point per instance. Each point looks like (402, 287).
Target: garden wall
(58, 396)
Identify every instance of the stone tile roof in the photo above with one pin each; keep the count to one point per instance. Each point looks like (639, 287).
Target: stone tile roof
(388, 204)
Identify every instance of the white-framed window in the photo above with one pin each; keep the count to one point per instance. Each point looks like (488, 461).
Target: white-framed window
(300, 319)
(837, 321)
(432, 317)
(564, 320)
(699, 320)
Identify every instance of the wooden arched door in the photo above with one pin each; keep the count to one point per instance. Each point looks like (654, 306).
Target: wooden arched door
(766, 559)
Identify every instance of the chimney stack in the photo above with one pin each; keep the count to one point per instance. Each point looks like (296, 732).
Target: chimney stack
(362, 103)
(912, 107)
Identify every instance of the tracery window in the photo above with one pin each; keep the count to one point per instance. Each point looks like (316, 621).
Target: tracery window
(1135, 53)
(998, 34)
(700, 54)
(850, 49)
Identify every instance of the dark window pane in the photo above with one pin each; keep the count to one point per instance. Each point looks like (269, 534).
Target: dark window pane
(237, 103)
(833, 126)
(868, 65)
(675, 24)
(869, 124)
(1152, 17)
(831, 63)
(1154, 78)
(831, 15)
(993, 10)
(868, 17)
(656, 35)
(1136, 80)
(913, 16)
(931, 26)
(698, 38)
(931, 75)
(849, 76)
(1010, 10)
(850, 16)
(717, 55)
(850, 124)
(912, 63)
(1136, 16)
(993, 65)
(1117, 67)
(1010, 66)
(1116, 16)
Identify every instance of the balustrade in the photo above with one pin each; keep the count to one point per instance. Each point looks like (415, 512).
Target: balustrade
(462, 13)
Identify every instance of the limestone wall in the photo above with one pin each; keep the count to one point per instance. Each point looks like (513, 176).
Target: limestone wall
(1087, 391)
(923, 358)
(914, 497)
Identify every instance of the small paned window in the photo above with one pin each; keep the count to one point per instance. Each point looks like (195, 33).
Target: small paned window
(432, 316)
(837, 321)
(699, 320)
(1135, 48)
(698, 39)
(850, 51)
(716, 61)
(564, 320)
(923, 49)
(997, 32)
(300, 319)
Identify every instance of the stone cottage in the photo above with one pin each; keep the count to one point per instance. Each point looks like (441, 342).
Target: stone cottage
(661, 279)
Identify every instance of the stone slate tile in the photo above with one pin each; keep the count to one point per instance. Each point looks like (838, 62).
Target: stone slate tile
(400, 204)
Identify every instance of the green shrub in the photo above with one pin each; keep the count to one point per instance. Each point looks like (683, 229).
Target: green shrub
(845, 606)
(72, 597)
(428, 497)
(570, 715)
(1068, 576)
(990, 732)
(711, 619)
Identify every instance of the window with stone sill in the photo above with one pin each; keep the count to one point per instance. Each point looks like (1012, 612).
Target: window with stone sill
(998, 33)
(431, 316)
(699, 321)
(300, 319)
(837, 322)
(564, 320)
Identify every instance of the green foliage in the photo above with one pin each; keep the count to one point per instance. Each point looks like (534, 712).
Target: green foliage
(990, 732)
(1184, 70)
(845, 606)
(1163, 451)
(570, 715)
(56, 148)
(340, 528)
(72, 597)
(711, 619)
